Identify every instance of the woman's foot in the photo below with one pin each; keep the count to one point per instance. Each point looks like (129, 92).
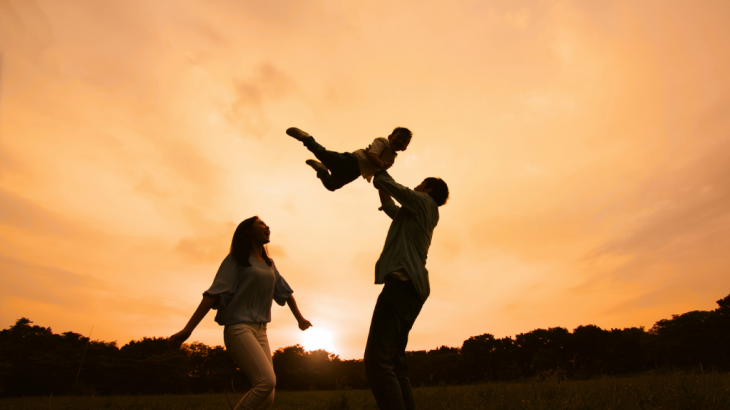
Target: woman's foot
(297, 133)
(318, 166)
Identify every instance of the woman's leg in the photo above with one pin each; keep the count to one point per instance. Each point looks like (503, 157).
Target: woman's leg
(243, 342)
(263, 340)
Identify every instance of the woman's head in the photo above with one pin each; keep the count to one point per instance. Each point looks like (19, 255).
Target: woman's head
(250, 234)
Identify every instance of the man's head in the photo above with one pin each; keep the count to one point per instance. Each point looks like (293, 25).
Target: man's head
(400, 138)
(436, 187)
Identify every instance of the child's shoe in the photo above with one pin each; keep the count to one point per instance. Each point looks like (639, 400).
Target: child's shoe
(318, 166)
(297, 133)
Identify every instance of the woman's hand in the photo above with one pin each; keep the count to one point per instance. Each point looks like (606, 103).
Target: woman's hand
(304, 324)
(179, 338)
(205, 305)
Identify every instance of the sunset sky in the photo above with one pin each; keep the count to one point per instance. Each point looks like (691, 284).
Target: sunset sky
(586, 145)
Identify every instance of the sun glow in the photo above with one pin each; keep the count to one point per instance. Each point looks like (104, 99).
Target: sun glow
(315, 339)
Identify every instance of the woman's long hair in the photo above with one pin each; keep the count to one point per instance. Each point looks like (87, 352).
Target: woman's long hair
(241, 244)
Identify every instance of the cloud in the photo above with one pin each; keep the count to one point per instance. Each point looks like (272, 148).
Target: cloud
(519, 19)
(278, 13)
(208, 248)
(681, 214)
(23, 214)
(247, 112)
(45, 284)
(24, 29)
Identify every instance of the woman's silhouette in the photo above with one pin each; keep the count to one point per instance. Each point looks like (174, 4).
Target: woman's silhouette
(243, 290)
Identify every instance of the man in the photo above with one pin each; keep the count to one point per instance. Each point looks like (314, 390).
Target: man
(402, 268)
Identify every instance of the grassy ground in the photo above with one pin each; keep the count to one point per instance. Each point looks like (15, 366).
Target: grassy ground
(678, 391)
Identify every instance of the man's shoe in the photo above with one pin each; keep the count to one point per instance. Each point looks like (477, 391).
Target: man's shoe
(297, 133)
(318, 166)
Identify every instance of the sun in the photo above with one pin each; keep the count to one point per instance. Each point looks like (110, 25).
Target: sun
(318, 338)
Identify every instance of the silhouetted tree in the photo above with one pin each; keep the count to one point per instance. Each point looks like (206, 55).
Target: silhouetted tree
(151, 366)
(588, 348)
(479, 360)
(541, 350)
(625, 353)
(697, 338)
(35, 361)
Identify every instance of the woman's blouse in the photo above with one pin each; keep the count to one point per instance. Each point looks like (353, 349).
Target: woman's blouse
(245, 293)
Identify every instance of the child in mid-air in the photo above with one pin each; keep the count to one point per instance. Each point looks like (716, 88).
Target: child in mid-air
(337, 169)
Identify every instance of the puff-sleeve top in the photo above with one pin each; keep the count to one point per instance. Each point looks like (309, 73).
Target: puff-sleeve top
(245, 293)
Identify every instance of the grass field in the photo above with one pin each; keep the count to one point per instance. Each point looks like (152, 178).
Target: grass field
(674, 391)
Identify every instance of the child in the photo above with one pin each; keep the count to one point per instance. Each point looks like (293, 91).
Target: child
(339, 169)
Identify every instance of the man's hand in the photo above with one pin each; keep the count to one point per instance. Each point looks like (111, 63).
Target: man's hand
(304, 324)
(387, 165)
(178, 338)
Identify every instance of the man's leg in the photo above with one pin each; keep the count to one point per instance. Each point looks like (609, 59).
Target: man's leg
(393, 317)
(412, 308)
(401, 371)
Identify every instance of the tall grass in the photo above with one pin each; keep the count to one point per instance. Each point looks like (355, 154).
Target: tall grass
(646, 391)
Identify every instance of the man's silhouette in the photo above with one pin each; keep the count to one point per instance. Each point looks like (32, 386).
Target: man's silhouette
(402, 268)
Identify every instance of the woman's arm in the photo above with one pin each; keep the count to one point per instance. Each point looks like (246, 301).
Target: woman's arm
(304, 324)
(205, 305)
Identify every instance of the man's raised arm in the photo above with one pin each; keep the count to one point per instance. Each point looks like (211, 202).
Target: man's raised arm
(405, 196)
(387, 204)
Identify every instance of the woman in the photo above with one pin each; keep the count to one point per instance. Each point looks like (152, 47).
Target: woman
(242, 292)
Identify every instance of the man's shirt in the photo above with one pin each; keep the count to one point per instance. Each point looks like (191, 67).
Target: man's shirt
(409, 235)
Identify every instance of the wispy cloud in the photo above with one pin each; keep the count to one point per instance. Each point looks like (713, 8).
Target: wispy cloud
(247, 111)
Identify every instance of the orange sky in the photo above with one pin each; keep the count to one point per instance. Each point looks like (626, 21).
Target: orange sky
(586, 146)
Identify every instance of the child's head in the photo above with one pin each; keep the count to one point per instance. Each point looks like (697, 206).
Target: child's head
(400, 138)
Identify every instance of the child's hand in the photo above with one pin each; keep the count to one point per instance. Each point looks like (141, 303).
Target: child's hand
(387, 165)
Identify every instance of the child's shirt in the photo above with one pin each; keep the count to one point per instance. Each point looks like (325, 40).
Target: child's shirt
(381, 148)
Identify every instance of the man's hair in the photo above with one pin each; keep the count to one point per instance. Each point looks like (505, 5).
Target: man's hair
(439, 190)
(403, 132)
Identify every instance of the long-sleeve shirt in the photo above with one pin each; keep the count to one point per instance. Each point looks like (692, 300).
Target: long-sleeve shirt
(245, 293)
(409, 235)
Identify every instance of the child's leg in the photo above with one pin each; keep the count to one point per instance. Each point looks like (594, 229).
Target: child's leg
(330, 159)
(347, 172)
(343, 167)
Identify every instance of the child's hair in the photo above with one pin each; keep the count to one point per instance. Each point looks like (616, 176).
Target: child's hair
(439, 190)
(403, 132)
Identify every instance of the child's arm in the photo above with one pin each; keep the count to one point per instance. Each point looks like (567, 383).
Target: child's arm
(374, 151)
(377, 163)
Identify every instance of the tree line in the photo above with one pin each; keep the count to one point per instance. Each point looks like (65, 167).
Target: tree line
(36, 361)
